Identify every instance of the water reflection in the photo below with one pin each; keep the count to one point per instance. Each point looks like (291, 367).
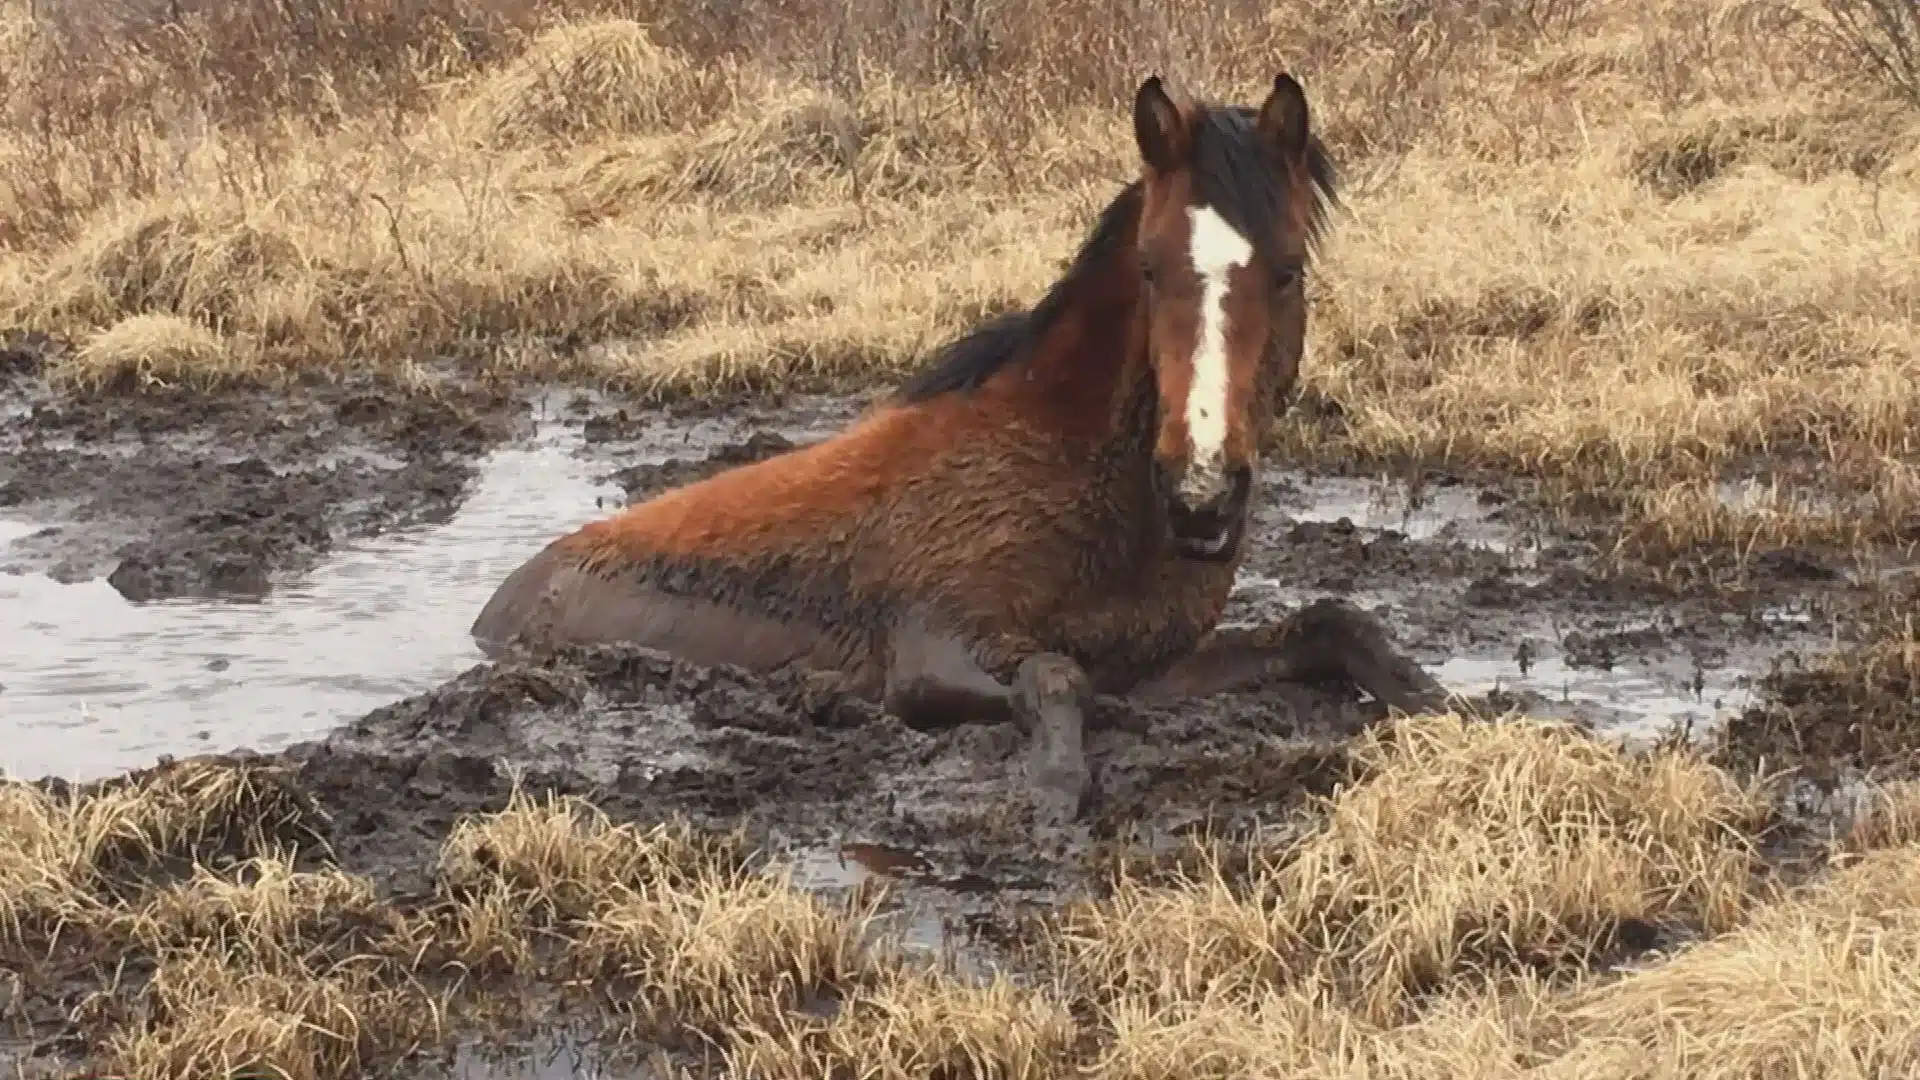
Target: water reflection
(94, 684)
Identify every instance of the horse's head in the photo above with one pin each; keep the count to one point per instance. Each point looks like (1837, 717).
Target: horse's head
(1231, 198)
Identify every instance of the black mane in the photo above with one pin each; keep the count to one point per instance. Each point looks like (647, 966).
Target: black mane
(966, 362)
(1231, 168)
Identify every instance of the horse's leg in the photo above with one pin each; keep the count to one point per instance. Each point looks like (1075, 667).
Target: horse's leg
(933, 681)
(1327, 639)
(1053, 695)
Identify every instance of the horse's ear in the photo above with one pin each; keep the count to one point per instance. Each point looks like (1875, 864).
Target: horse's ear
(1283, 118)
(1159, 126)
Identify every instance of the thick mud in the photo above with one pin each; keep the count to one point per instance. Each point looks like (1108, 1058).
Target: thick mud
(253, 574)
(189, 574)
(175, 494)
(215, 572)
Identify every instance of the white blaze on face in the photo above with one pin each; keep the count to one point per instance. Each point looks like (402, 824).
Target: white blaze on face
(1216, 250)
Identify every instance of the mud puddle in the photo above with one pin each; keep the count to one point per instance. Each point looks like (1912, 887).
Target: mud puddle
(96, 683)
(101, 684)
(1471, 516)
(1502, 608)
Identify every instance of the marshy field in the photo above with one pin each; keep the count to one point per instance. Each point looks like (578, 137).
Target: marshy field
(317, 319)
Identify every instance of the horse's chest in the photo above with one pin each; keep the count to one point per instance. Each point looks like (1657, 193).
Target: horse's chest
(1136, 628)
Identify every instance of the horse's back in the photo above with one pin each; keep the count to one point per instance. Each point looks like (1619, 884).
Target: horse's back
(603, 582)
(554, 599)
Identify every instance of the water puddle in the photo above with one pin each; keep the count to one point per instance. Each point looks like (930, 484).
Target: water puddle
(1636, 698)
(1634, 703)
(1638, 695)
(94, 684)
(1754, 495)
(1458, 513)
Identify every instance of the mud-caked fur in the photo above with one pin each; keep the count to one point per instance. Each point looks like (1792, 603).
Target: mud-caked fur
(992, 541)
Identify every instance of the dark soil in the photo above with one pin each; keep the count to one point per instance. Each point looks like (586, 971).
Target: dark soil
(175, 493)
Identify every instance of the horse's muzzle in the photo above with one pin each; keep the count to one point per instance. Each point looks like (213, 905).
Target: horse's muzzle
(1207, 529)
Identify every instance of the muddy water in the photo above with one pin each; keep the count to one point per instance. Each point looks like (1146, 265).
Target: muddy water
(97, 684)
(1636, 698)
(91, 684)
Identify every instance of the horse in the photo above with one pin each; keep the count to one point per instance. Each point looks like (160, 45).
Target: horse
(1053, 508)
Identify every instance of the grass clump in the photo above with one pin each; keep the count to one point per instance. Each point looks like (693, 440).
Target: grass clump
(207, 1013)
(583, 81)
(720, 954)
(1464, 847)
(536, 867)
(918, 1023)
(1819, 984)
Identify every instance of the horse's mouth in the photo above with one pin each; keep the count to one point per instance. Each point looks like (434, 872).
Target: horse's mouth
(1220, 546)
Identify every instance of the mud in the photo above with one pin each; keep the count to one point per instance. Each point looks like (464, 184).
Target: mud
(96, 681)
(178, 494)
(238, 495)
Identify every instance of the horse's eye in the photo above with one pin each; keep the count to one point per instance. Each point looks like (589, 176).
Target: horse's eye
(1285, 277)
(1146, 270)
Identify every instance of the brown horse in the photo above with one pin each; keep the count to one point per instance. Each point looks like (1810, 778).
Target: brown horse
(1054, 508)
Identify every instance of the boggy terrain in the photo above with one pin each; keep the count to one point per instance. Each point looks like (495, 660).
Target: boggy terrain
(1622, 295)
(189, 495)
(390, 890)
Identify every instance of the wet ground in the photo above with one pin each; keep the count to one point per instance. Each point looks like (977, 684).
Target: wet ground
(194, 574)
(294, 576)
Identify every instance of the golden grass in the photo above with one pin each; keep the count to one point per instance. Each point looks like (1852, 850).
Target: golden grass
(1451, 913)
(1632, 248)
(1467, 846)
(1822, 984)
(674, 926)
(212, 1016)
(916, 1024)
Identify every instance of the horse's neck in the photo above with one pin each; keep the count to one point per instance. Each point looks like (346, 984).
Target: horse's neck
(1099, 387)
(1124, 475)
(1136, 420)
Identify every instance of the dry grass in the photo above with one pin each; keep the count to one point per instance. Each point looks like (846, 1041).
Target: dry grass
(1470, 857)
(918, 1024)
(1467, 846)
(1456, 912)
(1639, 250)
(1820, 985)
(673, 927)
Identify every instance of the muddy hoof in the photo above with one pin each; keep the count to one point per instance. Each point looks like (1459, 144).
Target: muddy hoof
(1335, 636)
(1052, 695)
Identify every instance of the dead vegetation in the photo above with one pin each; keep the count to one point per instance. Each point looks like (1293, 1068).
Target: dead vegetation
(1852, 712)
(1660, 254)
(1490, 897)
